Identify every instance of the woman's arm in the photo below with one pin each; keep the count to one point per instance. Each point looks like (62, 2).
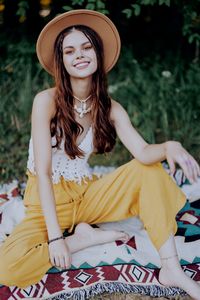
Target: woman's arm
(42, 113)
(149, 154)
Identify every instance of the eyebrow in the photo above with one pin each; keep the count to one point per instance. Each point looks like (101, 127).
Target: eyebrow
(88, 42)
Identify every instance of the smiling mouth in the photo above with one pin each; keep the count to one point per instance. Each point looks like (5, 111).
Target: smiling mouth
(82, 65)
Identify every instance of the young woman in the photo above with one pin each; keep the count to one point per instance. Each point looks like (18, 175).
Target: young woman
(69, 122)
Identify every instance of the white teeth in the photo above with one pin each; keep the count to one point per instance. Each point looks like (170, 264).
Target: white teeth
(82, 64)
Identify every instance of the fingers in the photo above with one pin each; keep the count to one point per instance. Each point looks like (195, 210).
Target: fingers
(67, 262)
(194, 168)
(62, 261)
(59, 254)
(52, 260)
(171, 165)
(190, 167)
(175, 153)
(57, 262)
(185, 165)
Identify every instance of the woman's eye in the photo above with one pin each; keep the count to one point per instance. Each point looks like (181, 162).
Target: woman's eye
(68, 52)
(88, 47)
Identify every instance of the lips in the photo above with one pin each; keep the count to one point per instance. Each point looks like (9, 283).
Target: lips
(81, 65)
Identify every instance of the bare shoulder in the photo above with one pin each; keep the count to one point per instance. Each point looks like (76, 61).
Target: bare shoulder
(44, 102)
(117, 110)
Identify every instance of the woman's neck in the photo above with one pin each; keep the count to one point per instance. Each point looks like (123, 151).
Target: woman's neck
(81, 88)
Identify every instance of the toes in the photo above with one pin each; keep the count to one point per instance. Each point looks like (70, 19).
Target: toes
(84, 229)
(127, 237)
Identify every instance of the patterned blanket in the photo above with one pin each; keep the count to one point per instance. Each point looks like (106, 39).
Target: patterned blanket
(122, 267)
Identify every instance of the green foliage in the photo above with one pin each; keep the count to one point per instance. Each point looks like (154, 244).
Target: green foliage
(162, 104)
(66, 8)
(98, 5)
(191, 25)
(20, 80)
(161, 97)
(23, 6)
(162, 100)
(166, 2)
(189, 10)
(135, 8)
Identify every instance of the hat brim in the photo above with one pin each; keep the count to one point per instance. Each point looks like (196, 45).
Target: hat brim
(93, 19)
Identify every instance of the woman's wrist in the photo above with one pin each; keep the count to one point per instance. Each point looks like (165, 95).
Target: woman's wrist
(165, 145)
(171, 147)
(53, 230)
(56, 239)
(164, 150)
(54, 234)
(169, 144)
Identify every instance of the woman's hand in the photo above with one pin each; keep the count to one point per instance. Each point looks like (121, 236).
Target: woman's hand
(175, 153)
(59, 254)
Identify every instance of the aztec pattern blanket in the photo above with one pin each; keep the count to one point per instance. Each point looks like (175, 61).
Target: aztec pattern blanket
(122, 267)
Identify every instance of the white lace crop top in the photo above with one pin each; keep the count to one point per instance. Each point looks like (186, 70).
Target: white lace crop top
(62, 165)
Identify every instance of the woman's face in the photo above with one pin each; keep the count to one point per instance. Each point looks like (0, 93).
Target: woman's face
(79, 57)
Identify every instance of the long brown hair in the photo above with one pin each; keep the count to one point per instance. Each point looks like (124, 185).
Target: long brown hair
(64, 124)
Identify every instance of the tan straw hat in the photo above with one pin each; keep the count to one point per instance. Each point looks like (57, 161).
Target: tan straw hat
(93, 19)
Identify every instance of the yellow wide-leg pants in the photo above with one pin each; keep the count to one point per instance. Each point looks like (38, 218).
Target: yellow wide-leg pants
(132, 189)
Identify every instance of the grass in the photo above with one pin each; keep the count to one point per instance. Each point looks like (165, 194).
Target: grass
(161, 105)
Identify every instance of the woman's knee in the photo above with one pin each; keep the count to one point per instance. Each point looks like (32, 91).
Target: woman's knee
(155, 168)
(142, 169)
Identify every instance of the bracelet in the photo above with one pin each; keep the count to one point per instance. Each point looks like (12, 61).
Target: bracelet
(56, 239)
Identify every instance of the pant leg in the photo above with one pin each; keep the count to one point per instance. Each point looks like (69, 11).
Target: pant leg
(24, 254)
(135, 189)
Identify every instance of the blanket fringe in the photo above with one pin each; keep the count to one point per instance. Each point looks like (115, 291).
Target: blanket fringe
(110, 287)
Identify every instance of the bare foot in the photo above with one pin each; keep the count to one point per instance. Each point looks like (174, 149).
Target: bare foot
(87, 236)
(173, 275)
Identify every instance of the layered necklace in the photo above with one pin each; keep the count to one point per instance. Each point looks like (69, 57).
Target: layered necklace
(82, 110)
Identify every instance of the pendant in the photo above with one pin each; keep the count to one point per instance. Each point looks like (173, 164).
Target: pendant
(82, 110)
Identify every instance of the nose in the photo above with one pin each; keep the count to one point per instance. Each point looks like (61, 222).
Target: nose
(79, 53)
